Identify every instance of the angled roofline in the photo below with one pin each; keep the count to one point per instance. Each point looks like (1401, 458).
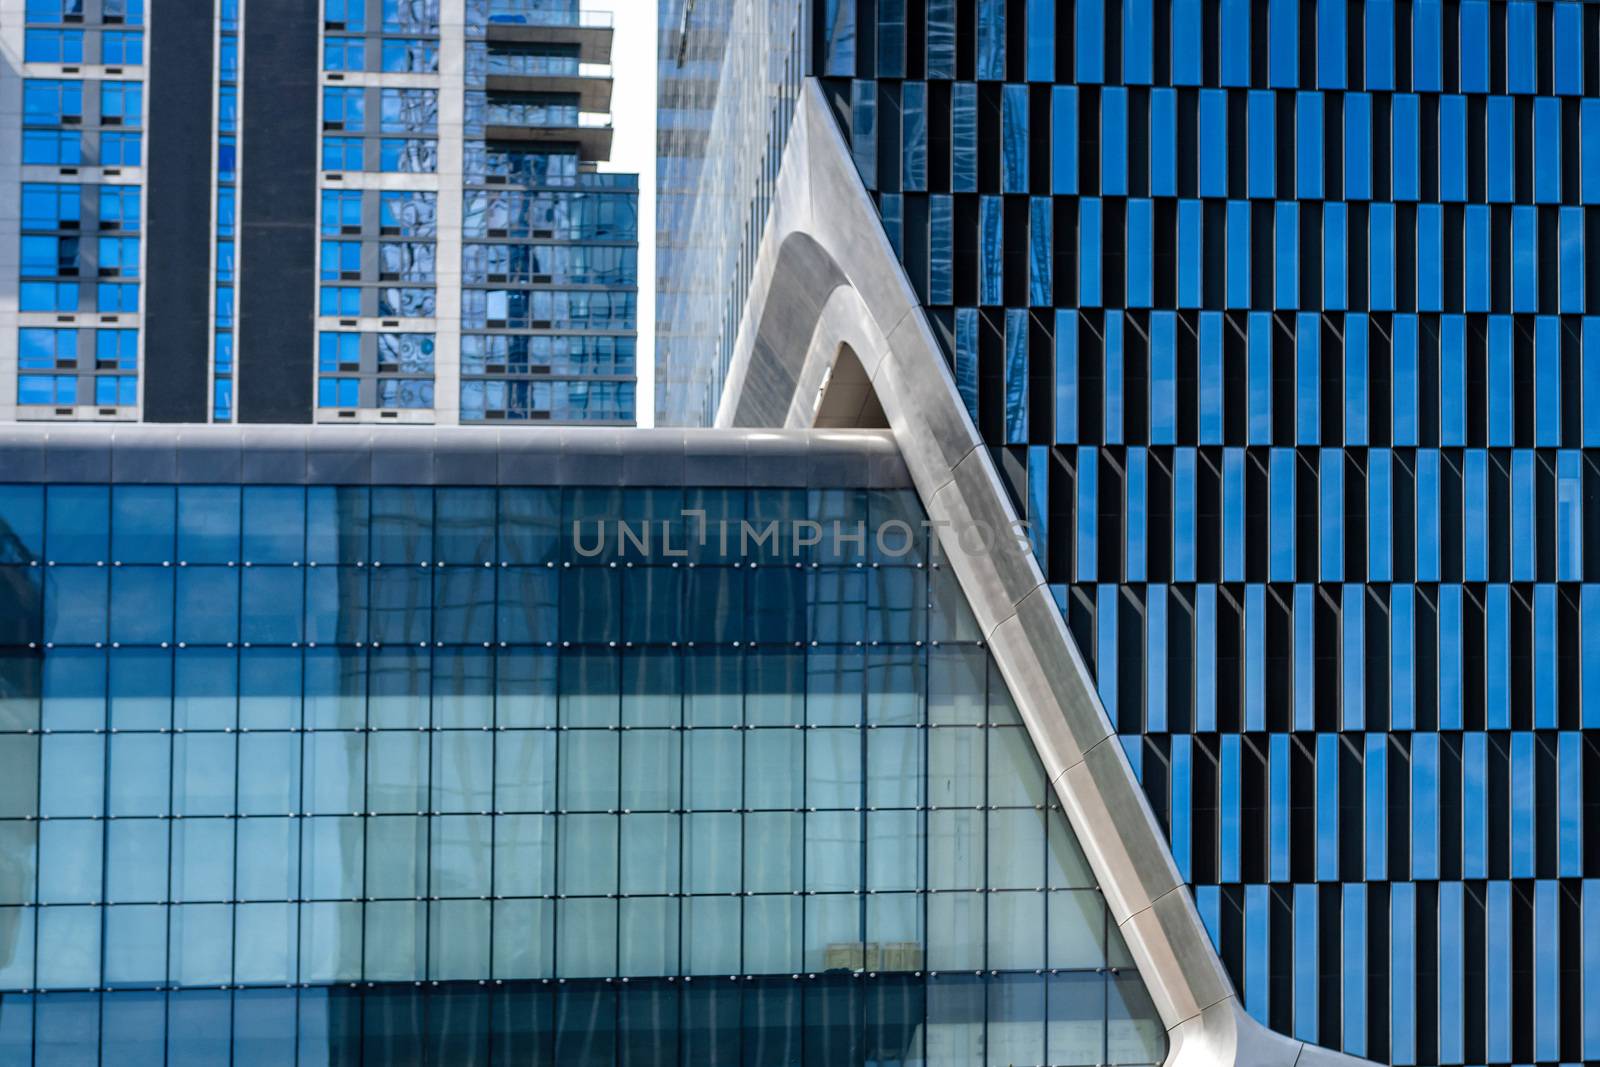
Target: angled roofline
(826, 281)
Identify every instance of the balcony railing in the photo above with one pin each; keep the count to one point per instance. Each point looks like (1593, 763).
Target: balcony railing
(517, 13)
(526, 66)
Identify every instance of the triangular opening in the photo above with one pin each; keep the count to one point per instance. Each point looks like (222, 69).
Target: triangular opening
(847, 397)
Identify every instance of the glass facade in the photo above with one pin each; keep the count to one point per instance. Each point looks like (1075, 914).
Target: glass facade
(1279, 317)
(729, 78)
(81, 155)
(339, 772)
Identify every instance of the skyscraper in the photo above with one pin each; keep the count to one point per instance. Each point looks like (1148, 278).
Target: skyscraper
(1275, 321)
(364, 211)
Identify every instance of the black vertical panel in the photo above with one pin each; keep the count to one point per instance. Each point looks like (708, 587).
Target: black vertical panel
(177, 298)
(277, 212)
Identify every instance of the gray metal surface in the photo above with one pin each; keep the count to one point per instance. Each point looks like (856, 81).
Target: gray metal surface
(422, 455)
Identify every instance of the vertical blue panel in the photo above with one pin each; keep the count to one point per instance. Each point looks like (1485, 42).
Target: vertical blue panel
(1066, 341)
(1041, 40)
(1155, 679)
(1375, 764)
(1403, 974)
(1286, 282)
(1016, 376)
(1570, 235)
(1230, 808)
(1327, 807)
(1087, 555)
(1452, 972)
(1278, 808)
(1064, 139)
(1305, 962)
(1425, 806)
(1358, 146)
(1213, 143)
(1238, 223)
(1141, 265)
(1163, 142)
(1261, 120)
(1402, 657)
(1474, 805)
(967, 358)
(1308, 132)
(1335, 255)
(1236, 30)
(1187, 63)
(1138, 48)
(1182, 798)
(1569, 516)
(1283, 50)
(1427, 515)
(1524, 793)
(1591, 965)
(1589, 133)
(1452, 147)
(1355, 379)
(1041, 252)
(1569, 805)
(1257, 951)
(1091, 41)
(1281, 515)
(1354, 969)
(1255, 657)
(1210, 384)
(1501, 160)
(1524, 505)
(1308, 378)
(1089, 256)
(1498, 971)
(1330, 483)
(1546, 971)
(1014, 139)
(1191, 252)
(1106, 674)
(1524, 258)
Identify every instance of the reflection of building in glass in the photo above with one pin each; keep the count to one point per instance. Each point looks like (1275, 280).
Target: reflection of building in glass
(1273, 320)
(294, 757)
(730, 73)
(413, 171)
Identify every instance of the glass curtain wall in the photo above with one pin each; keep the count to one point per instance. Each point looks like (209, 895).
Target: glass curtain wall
(335, 769)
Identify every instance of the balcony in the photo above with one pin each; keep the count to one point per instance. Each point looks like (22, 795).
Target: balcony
(514, 72)
(591, 31)
(542, 124)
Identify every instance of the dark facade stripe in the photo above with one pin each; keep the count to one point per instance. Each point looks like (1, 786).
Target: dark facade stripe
(277, 212)
(178, 191)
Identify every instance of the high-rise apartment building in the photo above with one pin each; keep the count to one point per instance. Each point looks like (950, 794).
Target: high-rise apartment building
(1276, 323)
(363, 211)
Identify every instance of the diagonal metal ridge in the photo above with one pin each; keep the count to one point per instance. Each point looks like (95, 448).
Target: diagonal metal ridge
(826, 285)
